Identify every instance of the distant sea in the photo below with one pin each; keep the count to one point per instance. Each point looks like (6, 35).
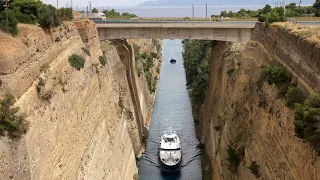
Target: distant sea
(177, 11)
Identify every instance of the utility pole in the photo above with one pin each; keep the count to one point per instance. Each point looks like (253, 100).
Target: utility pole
(6, 5)
(284, 6)
(192, 11)
(206, 11)
(90, 5)
(300, 3)
(57, 4)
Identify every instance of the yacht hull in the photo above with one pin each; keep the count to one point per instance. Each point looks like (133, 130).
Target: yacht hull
(170, 168)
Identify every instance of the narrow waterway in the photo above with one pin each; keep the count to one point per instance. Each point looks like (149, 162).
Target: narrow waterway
(172, 102)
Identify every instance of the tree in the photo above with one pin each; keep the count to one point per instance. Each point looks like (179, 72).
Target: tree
(223, 14)
(111, 14)
(65, 13)
(276, 15)
(26, 11)
(291, 6)
(230, 14)
(48, 16)
(11, 25)
(316, 5)
(95, 10)
(266, 9)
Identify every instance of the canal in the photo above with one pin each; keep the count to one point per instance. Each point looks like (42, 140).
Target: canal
(172, 103)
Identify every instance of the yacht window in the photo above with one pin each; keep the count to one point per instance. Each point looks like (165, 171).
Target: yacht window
(177, 149)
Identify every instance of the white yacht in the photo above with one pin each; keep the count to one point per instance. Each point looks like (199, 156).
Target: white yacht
(170, 150)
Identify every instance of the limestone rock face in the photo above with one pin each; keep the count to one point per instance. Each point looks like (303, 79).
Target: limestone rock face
(250, 115)
(81, 121)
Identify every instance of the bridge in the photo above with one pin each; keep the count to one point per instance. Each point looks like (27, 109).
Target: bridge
(231, 31)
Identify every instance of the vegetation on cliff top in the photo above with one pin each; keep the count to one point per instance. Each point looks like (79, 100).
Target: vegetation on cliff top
(292, 10)
(276, 14)
(10, 122)
(306, 110)
(114, 14)
(32, 12)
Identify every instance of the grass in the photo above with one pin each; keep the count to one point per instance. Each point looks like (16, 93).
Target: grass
(86, 51)
(76, 61)
(217, 128)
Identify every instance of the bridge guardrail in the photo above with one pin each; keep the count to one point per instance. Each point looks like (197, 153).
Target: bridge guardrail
(168, 21)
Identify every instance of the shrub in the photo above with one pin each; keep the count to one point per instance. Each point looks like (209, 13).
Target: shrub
(65, 14)
(234, 157)
(48, 16)
(136, 49)
(254, 168)
(276, 75)
(154, 42)
(135, 177)
(139, 70)
(26, 11)
(275, 15)
(154, 55)
(44, 68)
(76, 61)
(304, 35)
(307, 121)
(144, 55)
(217, 128)
(230, 71)
(11, 25)
(24, 18)
(158, 47)
(294, 95)
(40, 85)
(149, 58)
(86, 51)
(10, 122)
(102, 60)
(149, 81)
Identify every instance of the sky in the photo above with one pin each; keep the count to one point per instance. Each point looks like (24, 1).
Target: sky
(118, 3)
(96, 3)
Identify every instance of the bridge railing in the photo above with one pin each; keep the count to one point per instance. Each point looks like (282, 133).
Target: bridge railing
(108, 21)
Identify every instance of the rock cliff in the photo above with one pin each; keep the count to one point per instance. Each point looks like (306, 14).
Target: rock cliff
(239, 111)
(85, 127)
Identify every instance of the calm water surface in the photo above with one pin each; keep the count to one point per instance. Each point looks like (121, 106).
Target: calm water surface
(172, 102)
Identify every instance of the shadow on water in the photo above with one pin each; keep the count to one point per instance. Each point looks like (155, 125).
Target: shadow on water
(172, 103)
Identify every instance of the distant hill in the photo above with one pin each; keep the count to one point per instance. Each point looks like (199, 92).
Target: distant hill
(215, 3)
